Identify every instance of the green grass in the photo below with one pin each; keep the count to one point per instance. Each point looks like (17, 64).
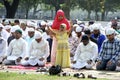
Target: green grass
(17, 76)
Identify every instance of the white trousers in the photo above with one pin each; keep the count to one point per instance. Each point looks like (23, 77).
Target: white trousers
(33, 62)
(79, 65)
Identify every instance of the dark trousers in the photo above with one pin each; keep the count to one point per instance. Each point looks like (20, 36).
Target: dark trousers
(105, 66)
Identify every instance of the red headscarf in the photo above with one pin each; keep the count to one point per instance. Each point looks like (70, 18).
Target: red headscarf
(57, 22)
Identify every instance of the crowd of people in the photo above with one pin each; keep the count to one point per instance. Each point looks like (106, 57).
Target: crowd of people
(61, 42)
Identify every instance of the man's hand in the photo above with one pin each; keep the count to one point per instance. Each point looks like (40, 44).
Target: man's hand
(71, 55)
(73, 62)
(4, 58)
(98, 63)
(89, 61)
(109, 62)
(19, 59)
(41, 59)
(26, 58)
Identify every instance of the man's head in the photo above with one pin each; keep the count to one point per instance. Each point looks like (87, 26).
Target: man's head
(87, 32)
(31, 32)
(85, 39)
(18, 33)
(96, 30)
(110, 33)
(16, 22)
(23, 25)
(38, 37)
(78, 31)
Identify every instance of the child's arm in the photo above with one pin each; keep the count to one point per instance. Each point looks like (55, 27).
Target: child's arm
(53, 30)
(68, 31)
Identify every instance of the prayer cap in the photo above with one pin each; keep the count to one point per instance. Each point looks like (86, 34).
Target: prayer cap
(43, 23)
(38, 35)
(19, 31)
(31, 30)
(110, 31)
(78, 29)
(75, 25)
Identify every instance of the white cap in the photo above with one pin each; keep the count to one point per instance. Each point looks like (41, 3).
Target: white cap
(32, 24)
(43, 23)
(14, 28)
(1, 26)
(7, 27)
(96, 27)
(49, 23)
(82, 25)
(75, 25)
(79, 22)
(31, 30)
(23, 22)
(109, 31)
(78, 29)
(38, 35)
(6, 22)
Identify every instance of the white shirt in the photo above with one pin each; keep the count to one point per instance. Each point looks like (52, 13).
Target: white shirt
(45, 35)
(3, 47)
(17, 48)
(39, 50)
(88, 52)
(4, 34)
(25, 33)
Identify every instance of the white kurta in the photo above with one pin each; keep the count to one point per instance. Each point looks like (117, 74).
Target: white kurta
(4, 34)
(45, 35)
(17, 48)
(25, 33)
(85, 53)
(3, 48)
(37, 51)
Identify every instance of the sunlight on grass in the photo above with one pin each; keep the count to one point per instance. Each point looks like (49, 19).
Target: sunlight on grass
(17, 76)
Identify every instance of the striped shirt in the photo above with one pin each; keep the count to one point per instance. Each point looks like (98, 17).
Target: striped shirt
(110, 50)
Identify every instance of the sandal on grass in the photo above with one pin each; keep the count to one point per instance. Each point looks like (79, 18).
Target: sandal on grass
(90, 76)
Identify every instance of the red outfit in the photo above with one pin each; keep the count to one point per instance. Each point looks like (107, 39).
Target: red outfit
(57, 22)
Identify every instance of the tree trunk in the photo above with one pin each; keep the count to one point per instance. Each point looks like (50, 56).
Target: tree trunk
(57, 7)
(88, 17)
(11, 8)
(96, 16)
(27, 13)
(103, 16)
(66, 9)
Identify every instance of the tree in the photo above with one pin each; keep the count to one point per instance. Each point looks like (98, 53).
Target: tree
(54, 3)
(11, 7)
(27, 5)
(61, 4)
(1, 4)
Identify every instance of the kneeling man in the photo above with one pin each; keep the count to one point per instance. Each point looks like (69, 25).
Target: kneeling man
(38, 53)
(85, 54)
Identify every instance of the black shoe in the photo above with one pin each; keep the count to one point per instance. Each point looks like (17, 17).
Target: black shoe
(81, 75)
(90, 76)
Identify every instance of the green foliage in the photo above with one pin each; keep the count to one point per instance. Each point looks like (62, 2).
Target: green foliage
(1, 5)
(17, 76)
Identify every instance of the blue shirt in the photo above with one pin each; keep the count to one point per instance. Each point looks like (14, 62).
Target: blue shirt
(99, 39)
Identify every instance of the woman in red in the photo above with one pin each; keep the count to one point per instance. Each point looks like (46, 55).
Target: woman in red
(59, 18)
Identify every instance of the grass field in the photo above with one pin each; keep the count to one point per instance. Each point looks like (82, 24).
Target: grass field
(17, 76)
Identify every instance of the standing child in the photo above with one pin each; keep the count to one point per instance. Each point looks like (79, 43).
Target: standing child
(63, 50)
